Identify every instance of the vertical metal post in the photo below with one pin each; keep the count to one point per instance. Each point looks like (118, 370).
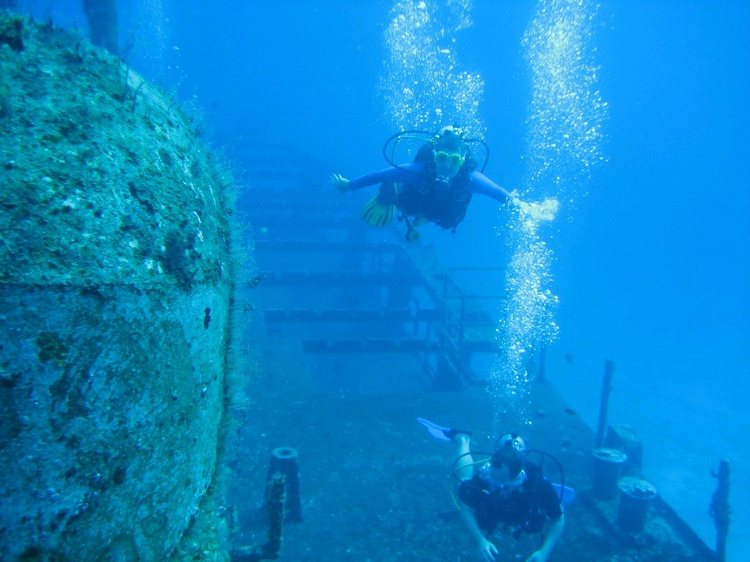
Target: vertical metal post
(609, 369)
(720, 509)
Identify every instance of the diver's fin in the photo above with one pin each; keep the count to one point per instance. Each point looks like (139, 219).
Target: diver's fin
(419, 220)
(441, 433)
(376, 212)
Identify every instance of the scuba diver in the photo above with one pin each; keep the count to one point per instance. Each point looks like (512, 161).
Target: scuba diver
(506, 487)
(437, 187)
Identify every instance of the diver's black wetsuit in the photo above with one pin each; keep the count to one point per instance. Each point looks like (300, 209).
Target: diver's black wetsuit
(443, 202)
(525, 509)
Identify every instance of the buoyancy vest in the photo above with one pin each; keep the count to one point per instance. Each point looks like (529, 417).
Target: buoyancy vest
(442, 202)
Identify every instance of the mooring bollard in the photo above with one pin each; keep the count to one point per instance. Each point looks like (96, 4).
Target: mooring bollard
(635, 497)
(607, 466)
(624, 438)
(284, 461)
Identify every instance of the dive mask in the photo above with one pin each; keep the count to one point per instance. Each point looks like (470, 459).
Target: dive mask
(452, 159)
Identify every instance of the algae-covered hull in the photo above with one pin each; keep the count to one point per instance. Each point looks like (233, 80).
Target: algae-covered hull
(115, 291)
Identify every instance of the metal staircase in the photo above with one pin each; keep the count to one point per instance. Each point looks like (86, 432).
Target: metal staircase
(350, 292)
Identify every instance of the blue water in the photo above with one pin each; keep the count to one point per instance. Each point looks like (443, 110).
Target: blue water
(651, 252)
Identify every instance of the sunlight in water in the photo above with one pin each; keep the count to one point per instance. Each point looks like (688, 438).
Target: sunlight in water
(564, 143)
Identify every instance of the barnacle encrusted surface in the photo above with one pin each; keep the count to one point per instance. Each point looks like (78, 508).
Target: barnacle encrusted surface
(114, 241)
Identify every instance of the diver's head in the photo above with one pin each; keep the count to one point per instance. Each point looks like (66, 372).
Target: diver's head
(448, 151)
(505, 472)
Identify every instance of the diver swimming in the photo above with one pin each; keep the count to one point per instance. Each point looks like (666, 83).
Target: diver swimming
(436, 187)
(505, 487)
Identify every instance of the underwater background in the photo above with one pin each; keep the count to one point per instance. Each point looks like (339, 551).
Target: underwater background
(649, 256)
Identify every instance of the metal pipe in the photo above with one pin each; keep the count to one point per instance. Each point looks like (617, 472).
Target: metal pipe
(720, 510)
(609, 369)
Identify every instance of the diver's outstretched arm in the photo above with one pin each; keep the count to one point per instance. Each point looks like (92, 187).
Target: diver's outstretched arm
(408, 173)
(544, 211)
(484, 185)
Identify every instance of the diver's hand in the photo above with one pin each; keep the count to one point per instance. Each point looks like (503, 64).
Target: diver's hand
(544, 211)
(538, 556)
(487, 551)
(340, 183)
